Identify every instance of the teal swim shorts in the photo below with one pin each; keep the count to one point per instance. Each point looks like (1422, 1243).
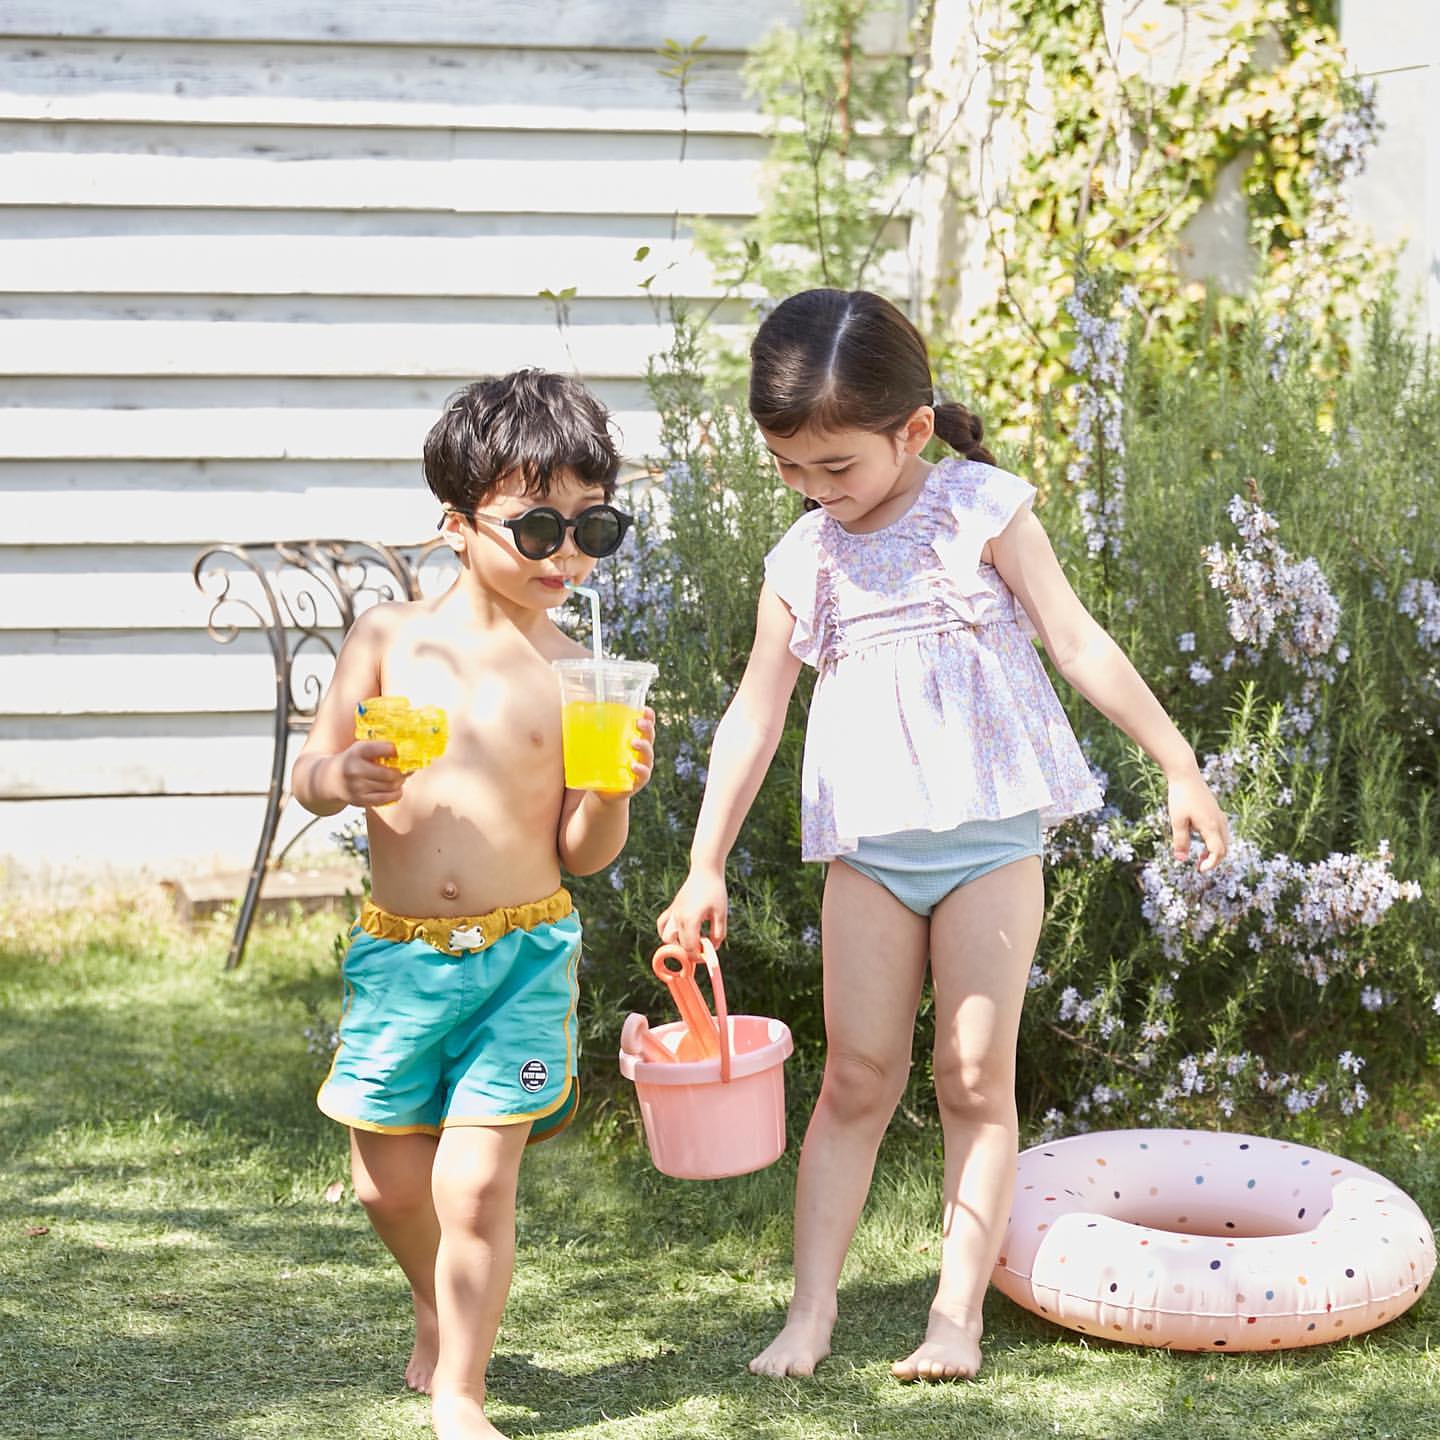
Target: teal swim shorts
(459, 1021)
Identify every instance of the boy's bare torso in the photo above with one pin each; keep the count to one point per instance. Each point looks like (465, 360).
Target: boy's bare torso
(476, 829)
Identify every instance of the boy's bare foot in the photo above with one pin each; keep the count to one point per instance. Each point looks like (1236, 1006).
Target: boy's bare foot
(421, 1369)
(950, 1351)
(798, 1348)
(460, 1417)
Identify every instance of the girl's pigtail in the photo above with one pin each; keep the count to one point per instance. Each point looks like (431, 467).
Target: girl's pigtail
(961, 431)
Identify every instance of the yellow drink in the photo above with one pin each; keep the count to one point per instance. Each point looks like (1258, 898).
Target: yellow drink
(419, 734)
(596, 735)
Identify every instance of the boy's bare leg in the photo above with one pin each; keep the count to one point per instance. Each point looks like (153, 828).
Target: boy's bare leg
(473, 1181)
(874, 957)
(392, 1180)
(982, 940)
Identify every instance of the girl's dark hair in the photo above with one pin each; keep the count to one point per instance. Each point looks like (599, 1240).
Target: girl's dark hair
(848, 359)
(532, 421)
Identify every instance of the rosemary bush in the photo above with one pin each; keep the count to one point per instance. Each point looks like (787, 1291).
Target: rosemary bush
(1252, 536)
(1255, 537)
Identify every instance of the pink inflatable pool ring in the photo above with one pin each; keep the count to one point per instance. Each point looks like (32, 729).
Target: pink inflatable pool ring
(1204, 1241)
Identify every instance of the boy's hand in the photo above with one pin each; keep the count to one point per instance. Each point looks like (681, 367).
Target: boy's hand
(1193, 808)
(360, 779)
(700, 900)
(643, 766)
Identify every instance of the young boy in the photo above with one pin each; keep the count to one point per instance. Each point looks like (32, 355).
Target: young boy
(458, 1042)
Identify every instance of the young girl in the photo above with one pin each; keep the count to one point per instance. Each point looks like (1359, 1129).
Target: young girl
(936, 750)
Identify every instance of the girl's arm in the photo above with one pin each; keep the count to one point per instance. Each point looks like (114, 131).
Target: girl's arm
(334, 769)
(594, 824)
(1096, 666)
(740, 754)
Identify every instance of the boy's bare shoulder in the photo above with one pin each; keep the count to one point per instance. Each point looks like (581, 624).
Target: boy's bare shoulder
(378, 626)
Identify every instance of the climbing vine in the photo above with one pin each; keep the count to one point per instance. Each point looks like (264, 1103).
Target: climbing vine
(1114, 149)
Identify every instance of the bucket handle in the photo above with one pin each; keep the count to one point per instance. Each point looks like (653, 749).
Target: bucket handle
(717, 987)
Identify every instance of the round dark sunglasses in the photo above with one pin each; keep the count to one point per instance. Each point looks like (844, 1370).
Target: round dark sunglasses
(540, 532)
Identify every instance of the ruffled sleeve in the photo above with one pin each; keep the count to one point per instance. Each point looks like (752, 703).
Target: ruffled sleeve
(975, 503)
(792, 569)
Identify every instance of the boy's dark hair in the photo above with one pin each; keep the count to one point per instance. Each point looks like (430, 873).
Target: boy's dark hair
(848, 359)
(532, 421)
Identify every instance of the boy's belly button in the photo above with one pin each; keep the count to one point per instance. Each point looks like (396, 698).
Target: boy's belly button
(449, 890)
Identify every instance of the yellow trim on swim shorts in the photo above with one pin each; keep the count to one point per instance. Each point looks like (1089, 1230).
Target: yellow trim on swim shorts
(480, 930)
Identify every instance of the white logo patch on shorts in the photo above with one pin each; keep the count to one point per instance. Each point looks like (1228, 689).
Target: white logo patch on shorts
(467, 937)
(534, 1074)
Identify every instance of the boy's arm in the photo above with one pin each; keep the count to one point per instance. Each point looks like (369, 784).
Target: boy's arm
(594, 823)
(740, 754)
(333, 769)
(1095, 665)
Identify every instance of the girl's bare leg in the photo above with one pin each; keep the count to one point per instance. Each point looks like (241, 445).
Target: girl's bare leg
(476, 1167)
(874, 958)
(982, 940)
(392, 1181)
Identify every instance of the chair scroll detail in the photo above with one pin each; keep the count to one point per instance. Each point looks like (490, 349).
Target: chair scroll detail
(303, 595)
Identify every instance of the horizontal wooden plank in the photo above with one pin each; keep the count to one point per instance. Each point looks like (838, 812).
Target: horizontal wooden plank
(162, 673)
(515, 265)
(52, 589)
(658, 184)
(216, 348)
(249, 433)
(55, 589)
(75, 484)
(144, 516)
(369, 87)
(281, 145)
(188, 503)
(727, 25)
(130, 841)
(209, 754)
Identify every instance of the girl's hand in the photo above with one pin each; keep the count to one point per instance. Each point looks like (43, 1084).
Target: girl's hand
(1194, 808)
(700, 900)
(360, 779)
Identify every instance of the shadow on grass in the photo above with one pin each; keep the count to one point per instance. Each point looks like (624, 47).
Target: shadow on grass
(192, 1293)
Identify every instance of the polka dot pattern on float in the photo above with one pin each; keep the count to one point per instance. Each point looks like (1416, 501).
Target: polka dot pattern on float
(1319, 1238)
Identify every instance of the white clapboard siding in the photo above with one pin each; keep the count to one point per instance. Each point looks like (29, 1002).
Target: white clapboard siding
(246, 252)
(65, 503)
(204, 754)
(120, 588)
(267, 508)
(597, 25)
(207, 347)
(369, 87)
(189, 262)
(167, 672)
(55, 842)
(719, 187)
(256, 432)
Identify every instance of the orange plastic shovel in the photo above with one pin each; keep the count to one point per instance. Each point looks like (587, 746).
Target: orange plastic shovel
(701, 1040)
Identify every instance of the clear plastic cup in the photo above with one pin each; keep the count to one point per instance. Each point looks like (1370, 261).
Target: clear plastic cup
(602, 703)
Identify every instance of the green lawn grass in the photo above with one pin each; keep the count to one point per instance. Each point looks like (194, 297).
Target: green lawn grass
(170, 1264)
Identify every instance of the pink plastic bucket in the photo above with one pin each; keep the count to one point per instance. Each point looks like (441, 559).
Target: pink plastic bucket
(706, 1119)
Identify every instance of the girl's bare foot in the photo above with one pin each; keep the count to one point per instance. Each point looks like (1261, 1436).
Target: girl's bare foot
(461, 1417)
(798, 1348)
(950, 1351)
(421, 1368)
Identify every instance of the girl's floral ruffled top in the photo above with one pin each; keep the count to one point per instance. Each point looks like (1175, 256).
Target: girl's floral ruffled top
(932, 706)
